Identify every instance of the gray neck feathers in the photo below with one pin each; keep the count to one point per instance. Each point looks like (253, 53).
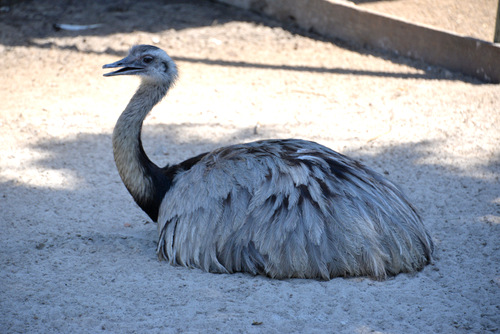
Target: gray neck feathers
(131, 161)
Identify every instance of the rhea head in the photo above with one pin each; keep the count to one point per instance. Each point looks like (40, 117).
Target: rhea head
(148, 62)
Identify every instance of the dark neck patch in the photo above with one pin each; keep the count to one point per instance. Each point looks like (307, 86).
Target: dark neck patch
(162, 179)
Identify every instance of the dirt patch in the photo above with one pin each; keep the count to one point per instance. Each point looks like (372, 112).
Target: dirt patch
(469, 18)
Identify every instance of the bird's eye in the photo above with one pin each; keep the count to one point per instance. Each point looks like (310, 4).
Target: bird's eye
(147, 59)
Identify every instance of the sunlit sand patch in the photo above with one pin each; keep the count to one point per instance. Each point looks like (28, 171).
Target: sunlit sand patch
(23, 171)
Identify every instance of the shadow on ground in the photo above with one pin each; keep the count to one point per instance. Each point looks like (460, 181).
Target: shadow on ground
(27, 23)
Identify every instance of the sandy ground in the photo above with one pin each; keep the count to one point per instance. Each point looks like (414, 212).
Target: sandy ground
(77, 255)
(469, 18)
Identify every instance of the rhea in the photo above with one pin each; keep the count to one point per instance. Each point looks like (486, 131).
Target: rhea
(280, 208)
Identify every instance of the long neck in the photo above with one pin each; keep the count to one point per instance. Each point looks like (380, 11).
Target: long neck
(143, 179)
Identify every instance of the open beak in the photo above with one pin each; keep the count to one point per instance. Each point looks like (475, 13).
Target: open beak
(127, 67)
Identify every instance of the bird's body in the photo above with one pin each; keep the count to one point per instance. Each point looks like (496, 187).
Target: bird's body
(281, 208)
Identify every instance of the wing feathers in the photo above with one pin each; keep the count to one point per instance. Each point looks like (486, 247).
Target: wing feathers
(289, 209)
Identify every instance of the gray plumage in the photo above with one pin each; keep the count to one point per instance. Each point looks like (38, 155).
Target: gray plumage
(281, 208)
